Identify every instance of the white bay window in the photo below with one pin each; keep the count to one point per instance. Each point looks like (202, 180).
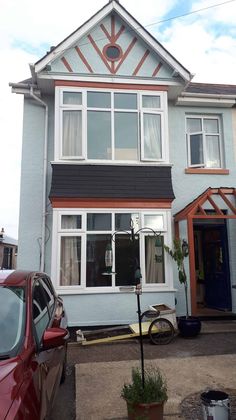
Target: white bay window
(111, 126)
(81, 238)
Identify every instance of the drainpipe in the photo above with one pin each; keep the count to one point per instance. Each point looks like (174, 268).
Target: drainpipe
(45, 156)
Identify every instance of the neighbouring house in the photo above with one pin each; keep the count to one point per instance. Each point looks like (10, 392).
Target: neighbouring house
(8, 251)
(114, 131)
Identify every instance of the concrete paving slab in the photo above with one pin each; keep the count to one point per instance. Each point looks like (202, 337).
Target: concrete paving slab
(98, 385)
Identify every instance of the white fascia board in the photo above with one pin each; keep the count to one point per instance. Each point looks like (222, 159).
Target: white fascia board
(132, 23)
(185, 74)
(73, 38)
(107, 79)
(206, 101)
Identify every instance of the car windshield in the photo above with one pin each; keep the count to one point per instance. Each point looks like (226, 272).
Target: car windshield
(12, 320)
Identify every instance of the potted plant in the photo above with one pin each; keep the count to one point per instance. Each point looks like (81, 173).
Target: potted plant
(189, 326)
(145, 402)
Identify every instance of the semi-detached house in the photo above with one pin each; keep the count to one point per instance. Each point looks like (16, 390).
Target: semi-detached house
(114, 131)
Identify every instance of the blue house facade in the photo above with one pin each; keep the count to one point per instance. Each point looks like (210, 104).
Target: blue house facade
(116, 134)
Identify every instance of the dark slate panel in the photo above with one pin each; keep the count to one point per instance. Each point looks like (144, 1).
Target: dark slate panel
(107, 181)
(211, 88)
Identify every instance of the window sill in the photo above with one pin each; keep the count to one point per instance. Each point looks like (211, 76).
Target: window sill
(78, 291)
(206, 171)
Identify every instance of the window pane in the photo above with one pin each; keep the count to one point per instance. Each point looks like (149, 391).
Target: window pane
(72, 98)
(96, 248)
(126, 136)
(125, 100)
(194, 125)
(99, 100)
(72, 133)
(71, 221)
(97, 221)
(99, 135)
(196, 149)
(211, 126)
(154, 266)
(152, 136)
(126, 255)
(70, 260)
(151, 101)
(40, 311)
(213, 152)
(123, 220)
(154, 221)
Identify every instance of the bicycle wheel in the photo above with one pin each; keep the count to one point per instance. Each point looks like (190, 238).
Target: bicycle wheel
(161, 331)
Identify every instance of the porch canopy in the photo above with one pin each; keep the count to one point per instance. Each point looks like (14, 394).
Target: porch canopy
(214, 203)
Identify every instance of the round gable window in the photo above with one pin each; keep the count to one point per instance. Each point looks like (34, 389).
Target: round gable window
(112, 52)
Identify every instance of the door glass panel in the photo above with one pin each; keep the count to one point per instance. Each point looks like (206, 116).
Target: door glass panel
(125, 100)
(196, 149)
(98, 221)
(152, 136)
(126, 136)
(99, 135)
(96, 248)
(70, 260)
(98, 100)
(72, 133)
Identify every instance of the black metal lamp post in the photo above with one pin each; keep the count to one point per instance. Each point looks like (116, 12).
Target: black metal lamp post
(137, 273)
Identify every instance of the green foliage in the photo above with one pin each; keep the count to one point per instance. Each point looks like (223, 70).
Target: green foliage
(178, 254)
(155, 389)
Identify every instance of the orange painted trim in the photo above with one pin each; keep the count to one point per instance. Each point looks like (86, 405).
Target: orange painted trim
(192, 270)
(207, 171)
(106, 32)
(117, 36)
(103, 58)
(126, 53)
(66, 64)
(157, 70)
(176, 228)
(108, 203)
(107, 85)
(81, 55)
(141, 63)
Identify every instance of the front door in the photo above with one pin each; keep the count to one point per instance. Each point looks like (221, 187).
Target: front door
(216, 268)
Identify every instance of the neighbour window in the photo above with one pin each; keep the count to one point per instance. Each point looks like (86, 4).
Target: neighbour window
(204, 141)
(116, 126)
(96, 230)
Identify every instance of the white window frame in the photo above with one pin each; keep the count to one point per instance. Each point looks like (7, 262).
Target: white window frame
(75, 289)
(162, 111)
(203, 117)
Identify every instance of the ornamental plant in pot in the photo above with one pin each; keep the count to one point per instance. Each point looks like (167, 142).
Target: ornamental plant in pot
(145, 402)
(189, 326)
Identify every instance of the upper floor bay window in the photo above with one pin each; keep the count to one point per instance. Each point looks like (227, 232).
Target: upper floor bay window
(204, 141)
(111, 126)
(82, 239)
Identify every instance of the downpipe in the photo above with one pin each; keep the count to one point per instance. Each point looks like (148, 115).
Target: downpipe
(45, 158)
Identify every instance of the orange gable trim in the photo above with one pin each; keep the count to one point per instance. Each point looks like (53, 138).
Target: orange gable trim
(108, 203)
(107, 85)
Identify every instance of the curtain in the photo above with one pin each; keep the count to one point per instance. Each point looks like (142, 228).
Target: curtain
(213, 153)
(70, 260)
(152, 136)
(154, 269)
(72, 133)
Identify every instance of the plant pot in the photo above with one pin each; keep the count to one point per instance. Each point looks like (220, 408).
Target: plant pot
(148, 411)
(189, 327)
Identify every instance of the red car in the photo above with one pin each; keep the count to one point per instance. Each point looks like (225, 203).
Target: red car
(33, 342)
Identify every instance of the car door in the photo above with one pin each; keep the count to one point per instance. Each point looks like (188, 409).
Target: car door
(48, 363)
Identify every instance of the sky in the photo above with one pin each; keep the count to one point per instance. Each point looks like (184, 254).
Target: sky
(200, 34)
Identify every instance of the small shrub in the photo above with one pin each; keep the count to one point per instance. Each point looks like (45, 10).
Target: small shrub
(155, 389)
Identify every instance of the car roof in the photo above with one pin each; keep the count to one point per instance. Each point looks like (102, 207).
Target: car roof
(17, 277)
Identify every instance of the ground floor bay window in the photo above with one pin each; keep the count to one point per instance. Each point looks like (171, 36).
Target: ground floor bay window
(80, 241)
